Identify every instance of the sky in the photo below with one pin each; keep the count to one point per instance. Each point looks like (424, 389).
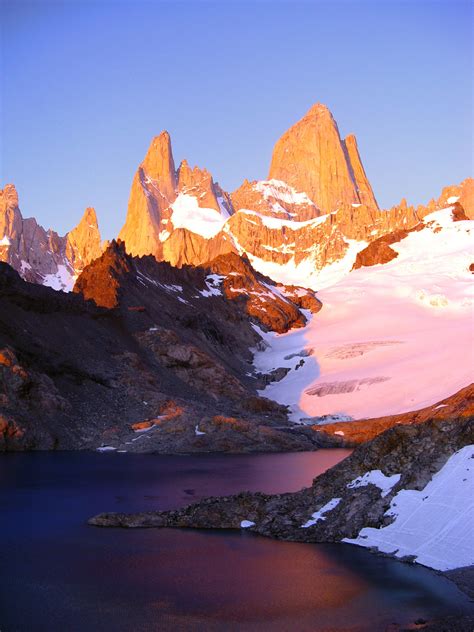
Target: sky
(86, 84)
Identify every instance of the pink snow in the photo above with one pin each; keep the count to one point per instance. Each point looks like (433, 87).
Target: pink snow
(390, 338)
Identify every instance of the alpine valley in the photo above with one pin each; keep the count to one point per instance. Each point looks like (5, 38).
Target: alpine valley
(288, 315)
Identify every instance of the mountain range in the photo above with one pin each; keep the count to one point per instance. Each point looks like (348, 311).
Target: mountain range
(288, 315)
(303, 226)
(217, 320)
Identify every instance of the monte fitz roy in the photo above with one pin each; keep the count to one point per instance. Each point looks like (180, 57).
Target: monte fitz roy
(288, 315)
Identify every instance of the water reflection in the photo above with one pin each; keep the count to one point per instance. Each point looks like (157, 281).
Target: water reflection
(57, 573)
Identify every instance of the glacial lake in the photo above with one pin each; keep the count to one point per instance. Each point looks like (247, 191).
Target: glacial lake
(57, 573)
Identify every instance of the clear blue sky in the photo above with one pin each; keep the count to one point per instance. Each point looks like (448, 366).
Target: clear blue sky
(85, 86)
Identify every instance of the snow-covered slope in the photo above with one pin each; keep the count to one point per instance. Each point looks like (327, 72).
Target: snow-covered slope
(390, 338)
(434, 524)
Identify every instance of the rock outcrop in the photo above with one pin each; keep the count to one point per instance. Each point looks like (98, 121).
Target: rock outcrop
(42, 256)
(151, 217)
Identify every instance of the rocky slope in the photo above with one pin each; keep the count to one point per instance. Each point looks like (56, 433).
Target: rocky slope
(361, 497)
(42, 256)
(159, 360)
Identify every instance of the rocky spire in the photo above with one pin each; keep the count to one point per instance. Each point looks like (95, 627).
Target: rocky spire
(198, 182)
(158, 165)
(83, 243)
(153, 191)
(366, 195)
(313, 159)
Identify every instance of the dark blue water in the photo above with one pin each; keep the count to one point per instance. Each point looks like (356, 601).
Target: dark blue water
(57, 573)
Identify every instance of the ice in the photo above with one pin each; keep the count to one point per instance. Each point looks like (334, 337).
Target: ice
(320, 514)
(377, 478)
(435, 524)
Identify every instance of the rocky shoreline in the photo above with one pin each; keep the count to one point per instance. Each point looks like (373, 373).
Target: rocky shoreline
(353, 495)
(338, 504)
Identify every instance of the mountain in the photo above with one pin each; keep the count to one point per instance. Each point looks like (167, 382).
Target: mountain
(144, 357)
(395, 284)
(312, 157)
(303, 226)
(42, 256)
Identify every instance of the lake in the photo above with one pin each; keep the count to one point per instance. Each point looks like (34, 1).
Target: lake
(58, 573)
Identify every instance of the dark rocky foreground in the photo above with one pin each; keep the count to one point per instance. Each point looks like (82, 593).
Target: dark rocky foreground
(414, 452)
(158, 361)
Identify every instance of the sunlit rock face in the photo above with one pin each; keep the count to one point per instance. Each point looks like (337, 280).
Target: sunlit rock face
(43, 256)
(312, 158)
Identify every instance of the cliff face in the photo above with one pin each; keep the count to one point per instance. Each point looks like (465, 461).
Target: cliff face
(152, 193)
(42, 256)
(312, 158)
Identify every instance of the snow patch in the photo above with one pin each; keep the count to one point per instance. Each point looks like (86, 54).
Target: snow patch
(63, 279)
(245, 524)
(377, 478)
(4, 241)
(281, 191)
(320, 514)
(198, 432)
(435, 524)
(187, 213)
(213, 282)
(381, 321)
(305, 273)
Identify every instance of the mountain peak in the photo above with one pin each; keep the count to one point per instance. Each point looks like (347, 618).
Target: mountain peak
(83, 243)
(158, 164)
(312, 158)
(318, 109)
(90, 217)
